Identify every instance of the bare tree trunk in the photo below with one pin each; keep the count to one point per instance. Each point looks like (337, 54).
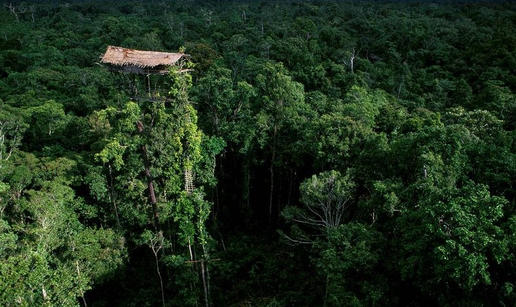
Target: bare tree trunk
(82, 293)
(156, 245)
(149, 86)
(160, 280)
(150, 184)
(12, 8)
(2, 143)
(190, 250)
(112, 196)
(208, 290)
(351, 61)
(204, 285)
(206, 280)
(292, 172)
(33, 13)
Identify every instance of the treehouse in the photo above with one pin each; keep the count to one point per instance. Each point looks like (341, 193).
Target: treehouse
(141, 62)
(133, 63)
(146, 64)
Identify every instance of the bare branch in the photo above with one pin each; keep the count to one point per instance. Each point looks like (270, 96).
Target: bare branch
(296, 241)
(12, 8)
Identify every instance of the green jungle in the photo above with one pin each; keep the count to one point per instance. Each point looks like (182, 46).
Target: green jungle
(305, 153)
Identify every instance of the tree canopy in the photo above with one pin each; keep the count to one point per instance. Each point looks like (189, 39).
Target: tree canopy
(309, 153)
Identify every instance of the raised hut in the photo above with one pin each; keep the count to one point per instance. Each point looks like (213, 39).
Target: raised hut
(141, 62)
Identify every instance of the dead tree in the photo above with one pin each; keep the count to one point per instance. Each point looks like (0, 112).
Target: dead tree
(351, 62)
(12, 8)
(156, 244)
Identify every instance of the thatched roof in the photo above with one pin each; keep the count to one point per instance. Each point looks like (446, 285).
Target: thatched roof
(142, 59)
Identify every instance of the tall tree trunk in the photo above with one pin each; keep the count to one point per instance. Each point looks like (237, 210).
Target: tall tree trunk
(206, 269)
(150, 184)
(160, 280)
(82, 292)
(203, 274)
(273, 158)
(112, 196)
(156, 244)
(290, 186)
(245, 210)
(326, 290)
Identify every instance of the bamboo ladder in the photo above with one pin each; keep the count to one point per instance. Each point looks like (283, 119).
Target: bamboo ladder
(189, 185)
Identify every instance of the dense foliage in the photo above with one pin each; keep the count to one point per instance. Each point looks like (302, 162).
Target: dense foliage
(343, 153)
